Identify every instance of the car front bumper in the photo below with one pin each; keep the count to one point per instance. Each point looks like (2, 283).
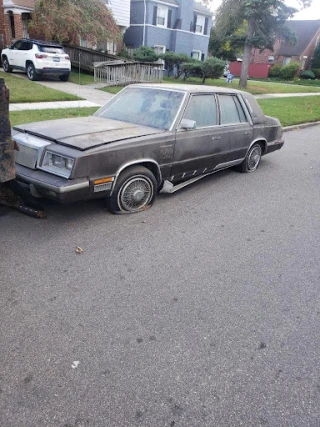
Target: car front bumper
(53, 187)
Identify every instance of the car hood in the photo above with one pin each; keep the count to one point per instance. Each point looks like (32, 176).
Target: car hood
(86, 132)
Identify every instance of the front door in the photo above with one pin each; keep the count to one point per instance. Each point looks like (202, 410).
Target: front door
(199, 150)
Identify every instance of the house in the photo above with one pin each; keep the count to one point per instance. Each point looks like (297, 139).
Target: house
(180, 26)
(308, 36)
(14, 18)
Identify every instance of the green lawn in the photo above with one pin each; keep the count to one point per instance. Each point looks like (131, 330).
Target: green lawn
(29, 116)
(22, 90)
(290, 111)
(82, 78)
(294, 110)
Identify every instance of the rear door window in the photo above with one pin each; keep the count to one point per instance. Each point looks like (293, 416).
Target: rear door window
(231, 110)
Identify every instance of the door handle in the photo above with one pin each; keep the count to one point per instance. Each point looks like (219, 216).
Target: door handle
(247, 133)
(216, 138)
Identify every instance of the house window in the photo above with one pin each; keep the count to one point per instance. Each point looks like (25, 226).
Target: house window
(196, 54)
(286, 60)
(270, 59)
(162, 16)
(159, 48)
(200, 21)
(12, 26)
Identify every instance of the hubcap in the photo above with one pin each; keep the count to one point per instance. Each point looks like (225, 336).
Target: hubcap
(136, 193)
(254, 158)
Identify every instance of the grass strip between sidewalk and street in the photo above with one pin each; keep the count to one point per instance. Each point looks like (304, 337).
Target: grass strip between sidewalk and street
(290, 111)
(30, 116)
(22, 90)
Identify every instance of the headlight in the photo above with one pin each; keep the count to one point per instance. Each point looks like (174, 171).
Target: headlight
(57, 164)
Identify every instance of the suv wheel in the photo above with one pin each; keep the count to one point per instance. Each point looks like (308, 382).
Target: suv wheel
(6, 65)
(31, 72)
(64, 77)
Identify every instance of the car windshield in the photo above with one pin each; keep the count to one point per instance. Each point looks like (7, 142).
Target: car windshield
(144, 106)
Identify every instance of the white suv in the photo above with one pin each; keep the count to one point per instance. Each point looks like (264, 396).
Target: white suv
(37, 58)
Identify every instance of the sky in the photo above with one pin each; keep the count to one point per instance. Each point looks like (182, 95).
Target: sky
(312, 12)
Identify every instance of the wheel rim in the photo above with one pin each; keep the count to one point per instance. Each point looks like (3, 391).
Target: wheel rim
(254, 158)
(5, 65)
(135, 194)
(30, 72)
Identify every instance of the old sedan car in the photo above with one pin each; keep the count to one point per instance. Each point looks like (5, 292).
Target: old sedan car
(148, 138)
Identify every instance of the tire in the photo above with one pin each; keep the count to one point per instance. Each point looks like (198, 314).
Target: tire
(31, 72)
(252, 160)
(6, 65)
(64, 77)
(134, 191)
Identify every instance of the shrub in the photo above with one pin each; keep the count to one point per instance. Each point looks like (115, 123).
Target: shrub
(307, 74)
(275, 70)
(191, 69)
(289, 71)
(212, 68)
(145, 54)
(174, 61)
(316, 72)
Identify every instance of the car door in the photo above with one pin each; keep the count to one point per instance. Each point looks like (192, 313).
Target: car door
(199, 150)
(14, 54)
(24, 54)
(236, 120)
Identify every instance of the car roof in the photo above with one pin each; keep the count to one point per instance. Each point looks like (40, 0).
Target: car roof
(42, 42)
(188, 88)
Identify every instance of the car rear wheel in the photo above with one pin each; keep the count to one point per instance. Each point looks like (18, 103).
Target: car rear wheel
(6, 66)
(252, 160)
(134, 191)
(31, 72)
(64, 77)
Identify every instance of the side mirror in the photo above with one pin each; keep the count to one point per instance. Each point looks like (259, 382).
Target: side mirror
(187, 124)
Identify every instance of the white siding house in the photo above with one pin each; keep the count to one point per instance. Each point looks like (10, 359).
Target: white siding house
(121, 12)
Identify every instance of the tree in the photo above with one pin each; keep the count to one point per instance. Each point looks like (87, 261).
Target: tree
(210, 68)
(264, 20)
(145, 54)
(174, 61)
(68, 20)
(316, 57)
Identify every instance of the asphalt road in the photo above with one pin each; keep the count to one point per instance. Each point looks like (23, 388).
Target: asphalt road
(202, 311)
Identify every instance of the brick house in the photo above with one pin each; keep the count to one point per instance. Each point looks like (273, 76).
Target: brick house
(308, 35)
(14, 18)
(181, 26)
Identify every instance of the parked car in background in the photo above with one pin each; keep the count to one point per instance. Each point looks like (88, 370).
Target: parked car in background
(147, 138)
(37, 58)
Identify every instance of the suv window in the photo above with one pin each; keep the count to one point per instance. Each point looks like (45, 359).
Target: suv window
(51, 49)
(17, 45)
(26, 46)
(202, 109)
(231, 110)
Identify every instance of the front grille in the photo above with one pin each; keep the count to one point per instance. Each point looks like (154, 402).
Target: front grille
(26, 156)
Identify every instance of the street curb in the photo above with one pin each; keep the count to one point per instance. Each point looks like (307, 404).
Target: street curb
(300, 126)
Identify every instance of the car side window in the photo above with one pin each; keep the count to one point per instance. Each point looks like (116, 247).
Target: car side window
(231, 110)
(17, 45)
(203, 110)
(26, 46)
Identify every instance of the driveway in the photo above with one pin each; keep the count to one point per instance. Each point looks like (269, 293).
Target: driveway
(202, 311)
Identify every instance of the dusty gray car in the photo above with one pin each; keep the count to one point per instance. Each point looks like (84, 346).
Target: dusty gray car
(148, 138)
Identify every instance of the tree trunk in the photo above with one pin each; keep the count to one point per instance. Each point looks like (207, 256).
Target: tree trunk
(246, 55)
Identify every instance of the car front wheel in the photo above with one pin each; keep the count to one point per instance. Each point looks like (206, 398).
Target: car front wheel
(252, 160)
(134, 191)
(6, 66)
(31, 72)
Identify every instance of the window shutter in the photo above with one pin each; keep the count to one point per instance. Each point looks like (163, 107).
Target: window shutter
(194, 23)
(169, 18)
(202, 57)
(155, 13)
(206, 21)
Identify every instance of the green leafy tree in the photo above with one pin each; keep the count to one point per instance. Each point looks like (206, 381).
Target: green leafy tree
(264, 20)
(69, 20)
(145, 54)
(210, 68)
(316, 57)
(174, 61)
